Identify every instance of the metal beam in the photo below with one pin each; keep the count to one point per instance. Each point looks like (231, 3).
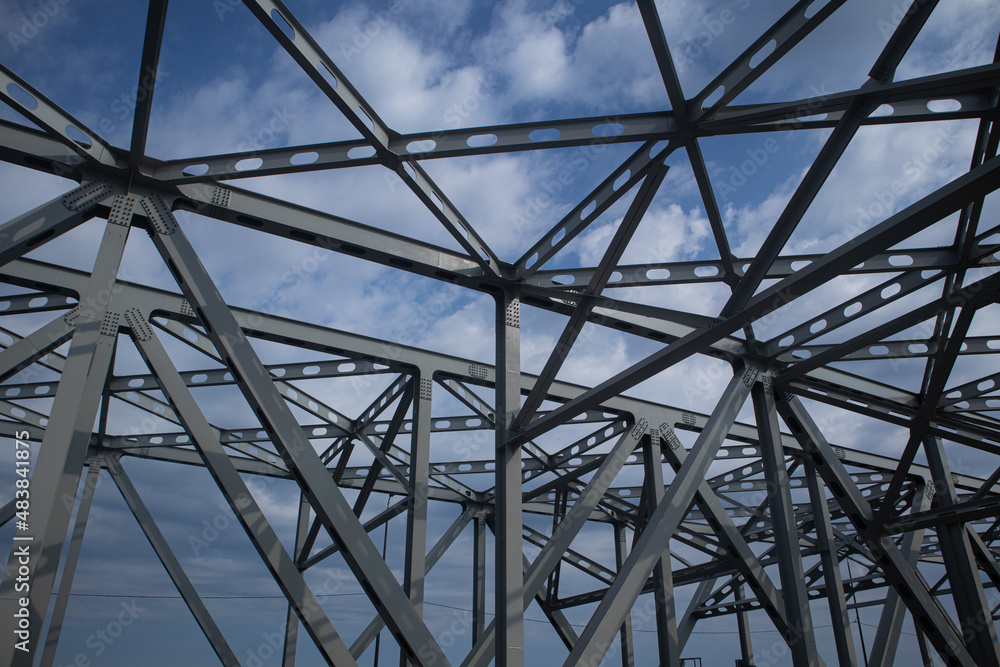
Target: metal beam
(38, 109)
(911, 587)
(667, 643)
(786, 534)
(415, 565)
(787, 31)
(67, 436)
(829, 557)
(173, 567)
(50, 220)
(291, 618)
(35, 346)
(445, 143)
(86, 499)
(625, 634)
(149, 63)
(277, 420)
(238, 496)
(509, 593)
(597, 637)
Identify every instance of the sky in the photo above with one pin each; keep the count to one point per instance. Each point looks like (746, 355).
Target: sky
(224, 85)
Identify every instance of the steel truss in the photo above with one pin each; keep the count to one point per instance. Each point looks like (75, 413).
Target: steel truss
(768, 536)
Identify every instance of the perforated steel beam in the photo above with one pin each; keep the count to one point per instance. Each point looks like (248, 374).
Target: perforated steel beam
(67, 437)
(238, 496)
(566, 456)
(326, 499)
(173, 567)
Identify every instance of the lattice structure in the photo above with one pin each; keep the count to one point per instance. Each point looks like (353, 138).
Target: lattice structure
(758, 516)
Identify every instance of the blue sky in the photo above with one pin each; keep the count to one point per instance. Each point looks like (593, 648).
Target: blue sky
(226, 86)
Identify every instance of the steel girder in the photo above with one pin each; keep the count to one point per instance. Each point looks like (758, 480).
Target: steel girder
(744, 504)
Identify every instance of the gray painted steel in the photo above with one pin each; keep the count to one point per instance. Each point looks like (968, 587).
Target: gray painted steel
(744, 505)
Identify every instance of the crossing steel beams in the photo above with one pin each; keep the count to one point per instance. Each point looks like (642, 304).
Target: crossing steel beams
(752, 518)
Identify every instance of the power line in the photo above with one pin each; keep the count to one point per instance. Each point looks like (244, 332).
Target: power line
(433, 604)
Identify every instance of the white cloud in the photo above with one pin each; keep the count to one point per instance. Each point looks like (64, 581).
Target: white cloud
(526, 64)
(546, 57)
(665, 234)
(411, 84)
(957, 35)
(752, 222)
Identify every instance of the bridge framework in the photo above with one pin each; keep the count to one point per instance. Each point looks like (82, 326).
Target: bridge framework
(769, 536)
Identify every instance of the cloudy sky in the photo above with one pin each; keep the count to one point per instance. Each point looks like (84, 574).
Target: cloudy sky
(225, 86)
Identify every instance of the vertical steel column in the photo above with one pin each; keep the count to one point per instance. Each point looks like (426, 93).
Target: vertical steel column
(277, 420)
(56, 473)
(537, 571)
(620, 597)
(667, 645)
(241, 501)
(478, 578)
(292, 619)
(831, 569)
(559, 503)
(689, 619)
(628, 655)
(786, 535)
(974, 615)
(69, 567)
(172, 565)
(941, 631)
(743, 627)
(415, 567)
(509, 579)
(890, 623)
(375, 626)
